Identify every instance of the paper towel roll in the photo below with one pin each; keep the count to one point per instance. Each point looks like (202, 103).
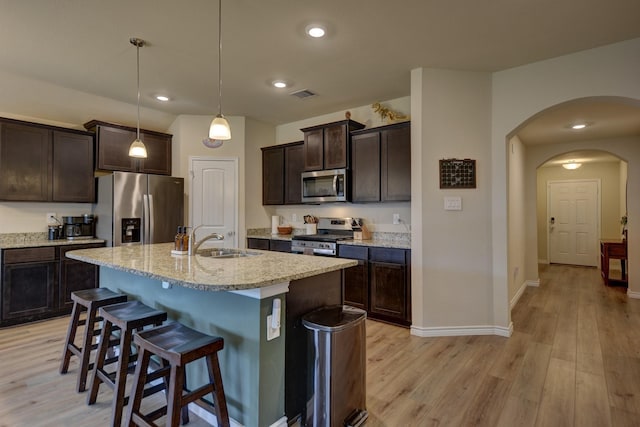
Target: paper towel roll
(275, 222)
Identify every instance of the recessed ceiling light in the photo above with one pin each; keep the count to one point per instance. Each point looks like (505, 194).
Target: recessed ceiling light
(280, 84)
(572, 165)
(579, 126)
(316, 31)
(162, 98)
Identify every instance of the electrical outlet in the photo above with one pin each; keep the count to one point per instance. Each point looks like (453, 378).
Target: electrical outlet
(51, 218)
(294, 217)
(396, 218)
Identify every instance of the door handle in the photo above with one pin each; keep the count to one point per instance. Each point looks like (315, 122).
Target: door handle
(552, 221)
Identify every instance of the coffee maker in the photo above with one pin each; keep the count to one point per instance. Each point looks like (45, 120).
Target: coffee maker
(79, 227)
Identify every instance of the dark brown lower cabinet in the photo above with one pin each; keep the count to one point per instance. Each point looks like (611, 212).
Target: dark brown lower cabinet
(269, 244)
(76, 275)
(37, 282)
(28, 288)
(388, 289)
(356, 279)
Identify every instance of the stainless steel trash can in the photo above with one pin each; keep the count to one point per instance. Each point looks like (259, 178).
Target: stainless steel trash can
(338, 365)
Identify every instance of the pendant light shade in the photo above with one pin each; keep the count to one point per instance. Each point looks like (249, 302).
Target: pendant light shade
(219, 130)
(137, 148)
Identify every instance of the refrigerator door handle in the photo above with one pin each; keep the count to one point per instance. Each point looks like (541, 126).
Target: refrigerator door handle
(150, 216)
(145, 219)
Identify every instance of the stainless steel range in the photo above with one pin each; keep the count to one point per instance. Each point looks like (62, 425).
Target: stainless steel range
(330, 231)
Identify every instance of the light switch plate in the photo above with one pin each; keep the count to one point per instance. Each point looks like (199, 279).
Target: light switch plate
(452, 203)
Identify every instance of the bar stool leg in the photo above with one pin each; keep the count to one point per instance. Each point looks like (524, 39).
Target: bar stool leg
(87, 343)
(119, 400)
(99, 363)
(174, 396)
(71, 336)
(215, 377)
(137, 391)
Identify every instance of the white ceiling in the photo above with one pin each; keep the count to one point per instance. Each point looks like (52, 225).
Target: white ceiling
(367, 56)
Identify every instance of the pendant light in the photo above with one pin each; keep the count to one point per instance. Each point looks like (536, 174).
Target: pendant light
(137, 148)
(219, 129)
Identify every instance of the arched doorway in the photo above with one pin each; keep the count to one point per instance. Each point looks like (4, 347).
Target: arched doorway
(547, 137)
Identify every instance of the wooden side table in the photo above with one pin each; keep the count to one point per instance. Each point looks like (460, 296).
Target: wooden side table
(613, 249)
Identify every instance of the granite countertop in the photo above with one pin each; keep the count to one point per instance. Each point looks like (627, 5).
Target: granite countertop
(33, 240)
(210, 274)
(382, 240)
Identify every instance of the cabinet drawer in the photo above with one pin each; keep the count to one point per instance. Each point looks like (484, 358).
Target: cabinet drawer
(353, 252)
(14, 256)
(65, 249)
(280, 246)
(254, 243)
(396, 256)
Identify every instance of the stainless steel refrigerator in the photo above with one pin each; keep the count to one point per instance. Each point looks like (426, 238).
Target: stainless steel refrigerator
(136, 208)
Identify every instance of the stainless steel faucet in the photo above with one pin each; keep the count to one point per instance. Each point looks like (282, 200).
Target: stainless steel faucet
(193, 245)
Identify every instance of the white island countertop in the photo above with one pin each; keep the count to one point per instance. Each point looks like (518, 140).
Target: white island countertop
(266, 268)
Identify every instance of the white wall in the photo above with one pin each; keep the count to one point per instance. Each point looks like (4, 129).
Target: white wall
(452, 272)
(517, 154)
(522, 92)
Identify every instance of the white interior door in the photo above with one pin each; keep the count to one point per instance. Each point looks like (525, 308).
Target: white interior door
(573, 216)
(214, 199)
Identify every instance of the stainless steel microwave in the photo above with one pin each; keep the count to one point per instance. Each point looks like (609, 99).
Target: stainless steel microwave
(324, 186)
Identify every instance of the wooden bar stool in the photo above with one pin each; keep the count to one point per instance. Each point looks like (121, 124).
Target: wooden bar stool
(90, 300)
(128, 317)
(177, 345)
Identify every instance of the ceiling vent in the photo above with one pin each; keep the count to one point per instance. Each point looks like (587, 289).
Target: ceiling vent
(302, 94)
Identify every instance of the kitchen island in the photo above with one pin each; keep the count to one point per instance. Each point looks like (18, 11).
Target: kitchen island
(264, 380)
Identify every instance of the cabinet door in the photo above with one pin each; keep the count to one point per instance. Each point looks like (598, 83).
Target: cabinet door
(25, 162)
(365, 167)
(113, 149)
(293, 168)
(28, 290)
(313, 149)
(335, 146)
(356, 285)
(158, 159)
(75, 275)
(395, 171)
(72, 175)
(273, 176)
(388, 290)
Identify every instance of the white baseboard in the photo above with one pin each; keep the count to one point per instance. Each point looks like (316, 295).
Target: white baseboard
(516, 297)
(462, 331)
(534, 283)
(631, 294)
(543, 261)
(211, 419)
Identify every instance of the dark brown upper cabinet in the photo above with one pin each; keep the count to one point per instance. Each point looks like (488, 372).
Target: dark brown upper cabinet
(112, 149)
(381, 164)
(327, 146)
(40, 163)
(73, 178)
(281, 169)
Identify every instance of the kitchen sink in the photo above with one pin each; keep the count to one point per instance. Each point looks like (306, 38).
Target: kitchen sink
(225, 253)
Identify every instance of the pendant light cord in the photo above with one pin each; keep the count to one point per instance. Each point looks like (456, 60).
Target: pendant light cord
(220, 57)
(138, 43)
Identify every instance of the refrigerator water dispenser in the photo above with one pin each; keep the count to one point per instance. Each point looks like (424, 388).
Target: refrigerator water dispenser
(131, 230)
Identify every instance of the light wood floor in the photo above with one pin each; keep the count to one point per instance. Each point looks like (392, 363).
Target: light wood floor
(573, 360)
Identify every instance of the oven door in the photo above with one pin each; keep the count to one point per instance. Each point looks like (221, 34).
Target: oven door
(324, 186)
